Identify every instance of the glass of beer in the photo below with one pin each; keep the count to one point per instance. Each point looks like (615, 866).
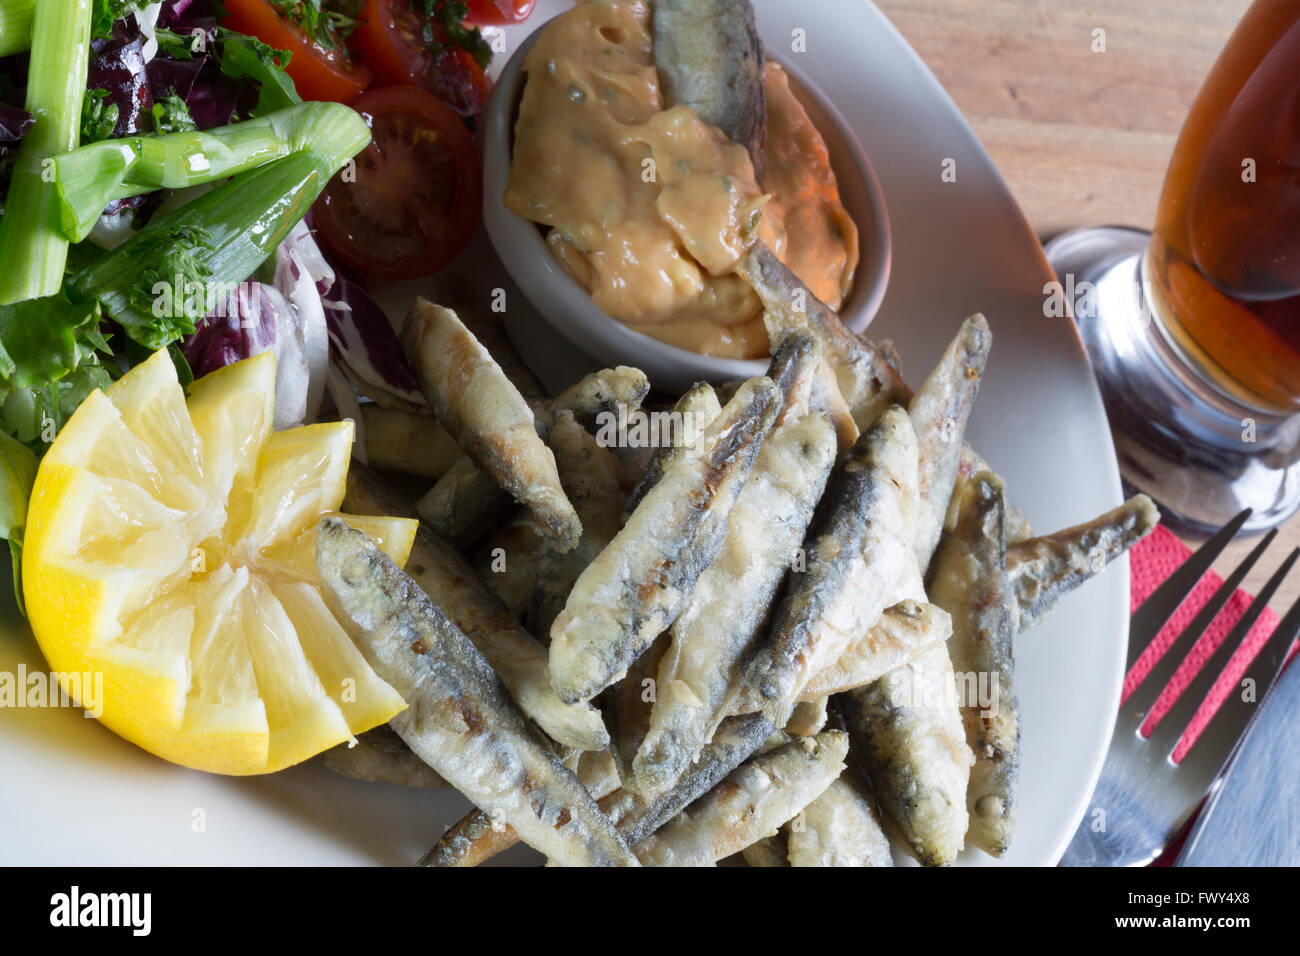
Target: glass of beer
(1194, 328)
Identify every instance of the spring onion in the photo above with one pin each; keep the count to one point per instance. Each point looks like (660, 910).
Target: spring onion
(15, 25)
(184, 264)
(90, 177)
(32, 247)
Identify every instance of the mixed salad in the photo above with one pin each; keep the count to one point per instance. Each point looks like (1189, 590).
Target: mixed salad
(220, 178)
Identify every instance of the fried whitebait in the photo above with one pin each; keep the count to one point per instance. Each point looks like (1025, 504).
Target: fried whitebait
(1044, 569)
(859, 543)
(483, 410)
(729, 606)
(637, 586)
(459, 718)
(751, 803)
(971, 584)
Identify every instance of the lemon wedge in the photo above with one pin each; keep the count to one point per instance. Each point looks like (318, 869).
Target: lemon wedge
(170, 548)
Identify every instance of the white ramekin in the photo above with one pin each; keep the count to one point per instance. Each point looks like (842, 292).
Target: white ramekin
(567, 307)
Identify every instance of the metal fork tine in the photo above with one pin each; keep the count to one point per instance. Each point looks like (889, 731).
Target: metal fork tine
(1169, 662)
(1161, 603)
(1221, 735)
(1169, 731)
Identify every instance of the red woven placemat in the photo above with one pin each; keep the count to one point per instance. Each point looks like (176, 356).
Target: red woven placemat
(1152, 560)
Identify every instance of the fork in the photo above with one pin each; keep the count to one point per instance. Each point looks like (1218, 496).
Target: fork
(1143, 798)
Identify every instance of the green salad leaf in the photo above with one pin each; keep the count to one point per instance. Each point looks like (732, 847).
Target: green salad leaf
(41, 340)
(243, 56)
(17, 474)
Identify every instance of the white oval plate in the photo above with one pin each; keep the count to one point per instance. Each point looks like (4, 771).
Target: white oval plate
(75, 794)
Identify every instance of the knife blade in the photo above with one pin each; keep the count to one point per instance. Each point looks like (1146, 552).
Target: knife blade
(1253, 817)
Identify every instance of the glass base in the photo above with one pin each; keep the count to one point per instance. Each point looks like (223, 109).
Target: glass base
(1200, 453)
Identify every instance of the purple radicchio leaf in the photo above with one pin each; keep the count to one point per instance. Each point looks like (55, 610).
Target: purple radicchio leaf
(213, 97)
(169, 77)
(14, 123)
(239, 328)
(367, 347)
(185, 16)
(301, 275)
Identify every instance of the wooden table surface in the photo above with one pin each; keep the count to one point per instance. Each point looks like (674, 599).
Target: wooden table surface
(1082, 137)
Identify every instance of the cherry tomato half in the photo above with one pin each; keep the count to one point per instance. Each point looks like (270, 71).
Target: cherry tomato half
(499, 12)
(318, 73)
(418, 189)
(388, 39)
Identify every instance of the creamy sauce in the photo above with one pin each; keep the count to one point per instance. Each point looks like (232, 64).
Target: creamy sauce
(649, 208)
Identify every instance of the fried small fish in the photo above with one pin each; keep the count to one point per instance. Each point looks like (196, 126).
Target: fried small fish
(709, 58)
(477, 836)
(464, 504)
(459, 718)
(597, 398)
(751, 803)
(839, 828)
(403, 441)
(858, 544)
(589, 474)
(916, 752)
(627, 707)
(483, 410)
(467, 503)
(516, 656)
(637, 586)
(903, 631)
(638, 815)
(381, 756)
(474, 839)
(939, 411)
(971, 584)
(808, 717)
(493, 337)
(971, 464)
(769, 851)
(1045, 568)
(507, 565)
(728, 608)
(867, 377)
(699, 405)
(909, 738)
(793, 369)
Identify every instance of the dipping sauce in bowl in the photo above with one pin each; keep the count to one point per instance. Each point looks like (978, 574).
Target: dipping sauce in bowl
(649, 209)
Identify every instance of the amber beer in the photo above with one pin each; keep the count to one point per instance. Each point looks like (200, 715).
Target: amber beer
(1223, 265)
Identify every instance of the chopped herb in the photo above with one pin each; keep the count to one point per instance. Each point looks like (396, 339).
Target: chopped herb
(174, 252)
(242, 56)
(444, 23)
(175, 46)
(104, 13)
(172, 116)
(98, 118)
(325, 28)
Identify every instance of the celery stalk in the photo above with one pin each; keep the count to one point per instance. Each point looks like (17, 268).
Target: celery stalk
(185, 264)
(15, 25)
(32, 247)
(90, 177)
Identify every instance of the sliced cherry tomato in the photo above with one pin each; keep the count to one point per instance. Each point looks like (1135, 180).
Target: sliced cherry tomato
(388, 38)
(417, 192)
(498, 12)
(318, 73)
